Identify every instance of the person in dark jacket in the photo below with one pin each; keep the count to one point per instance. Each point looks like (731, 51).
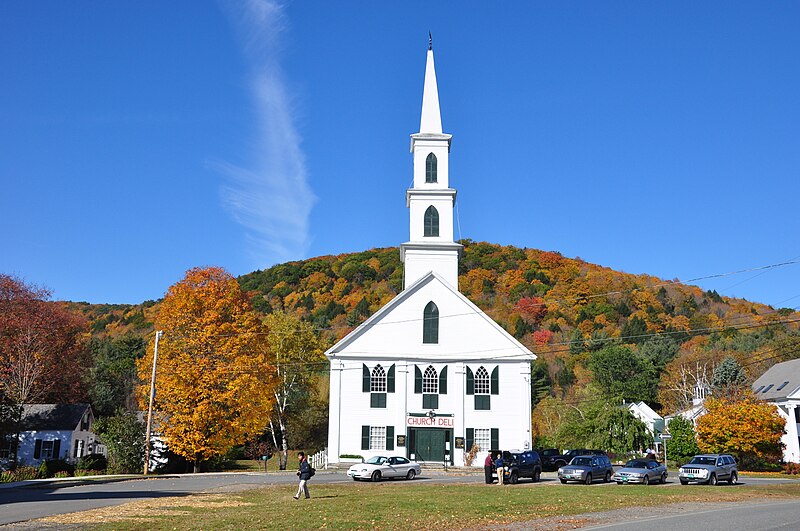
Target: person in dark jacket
(304, 473)
(487, 469)
(498, 464)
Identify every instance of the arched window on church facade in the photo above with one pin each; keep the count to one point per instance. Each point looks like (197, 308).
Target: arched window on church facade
(430, 168)
(482, 389)
(431, 222)
(430, 324)
(430, 381)
(378, 380)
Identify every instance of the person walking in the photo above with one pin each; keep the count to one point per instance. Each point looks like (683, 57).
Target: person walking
(499, 466)
(487, 469)
(304, 473)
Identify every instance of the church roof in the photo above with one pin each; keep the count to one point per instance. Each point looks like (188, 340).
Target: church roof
(779, 382)
(504, 345)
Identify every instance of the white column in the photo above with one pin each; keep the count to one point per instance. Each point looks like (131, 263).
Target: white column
(792, 451)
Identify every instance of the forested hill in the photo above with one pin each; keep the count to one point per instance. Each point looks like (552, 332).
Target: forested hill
(579, 318)
(594, 329)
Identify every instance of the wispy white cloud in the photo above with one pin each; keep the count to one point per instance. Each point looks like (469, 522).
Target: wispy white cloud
(269, 196)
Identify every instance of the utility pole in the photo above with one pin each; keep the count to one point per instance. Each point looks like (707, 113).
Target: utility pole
(159, 333)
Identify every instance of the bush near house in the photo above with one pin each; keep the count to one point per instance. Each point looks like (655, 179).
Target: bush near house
(51, 467)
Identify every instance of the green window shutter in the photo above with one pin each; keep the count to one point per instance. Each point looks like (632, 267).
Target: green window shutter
(417, 380)
(365, 377)
(470, 382)
(377, 400)
(37, 449)
(57, 449)
(495, 439)
(365, 437)
(443, 381)
(390, 437)
(470, 439)
(390, 380)
(495, 383)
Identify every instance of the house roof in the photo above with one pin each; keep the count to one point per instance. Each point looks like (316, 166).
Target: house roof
(511, 350)
(645, 410)
(40, 417)
(779, 382)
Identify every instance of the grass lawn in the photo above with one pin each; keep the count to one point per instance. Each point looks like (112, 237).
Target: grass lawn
(392, 505)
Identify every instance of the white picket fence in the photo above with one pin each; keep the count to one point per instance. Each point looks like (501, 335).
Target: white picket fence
(320, 460)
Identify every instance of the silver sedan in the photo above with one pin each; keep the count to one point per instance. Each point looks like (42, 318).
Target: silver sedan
(644, 471)
(379, 467)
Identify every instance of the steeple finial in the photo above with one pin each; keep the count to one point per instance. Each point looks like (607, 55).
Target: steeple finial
(431, 120)
(430, 41)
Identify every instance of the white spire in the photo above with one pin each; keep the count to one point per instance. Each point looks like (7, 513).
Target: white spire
(431, 121)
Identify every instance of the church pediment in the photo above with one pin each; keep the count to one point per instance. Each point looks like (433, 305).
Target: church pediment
(464, 331)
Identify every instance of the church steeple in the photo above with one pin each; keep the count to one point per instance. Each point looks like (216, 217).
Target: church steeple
(431, 120)
(430, 200)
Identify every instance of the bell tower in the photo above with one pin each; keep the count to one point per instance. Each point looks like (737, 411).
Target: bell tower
(430, 200)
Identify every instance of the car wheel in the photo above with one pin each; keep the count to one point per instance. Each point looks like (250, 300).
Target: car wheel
(559, 464)
(564, 481)
(588, 479)
(376, 476)
(537, 475)
(713, 479)
(646, 480)
(734, 478)
(663, 478)
(514, 478)
(411, 474)
(607, 478)
(684, 482)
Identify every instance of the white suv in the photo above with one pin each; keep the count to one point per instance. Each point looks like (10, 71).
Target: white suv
(709, 469)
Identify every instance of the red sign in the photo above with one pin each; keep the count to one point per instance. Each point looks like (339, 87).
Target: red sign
(430, 422)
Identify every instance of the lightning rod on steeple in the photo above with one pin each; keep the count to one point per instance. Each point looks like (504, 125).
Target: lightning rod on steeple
(430, 41)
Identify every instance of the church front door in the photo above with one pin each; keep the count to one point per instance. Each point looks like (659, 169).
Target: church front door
(429, 444)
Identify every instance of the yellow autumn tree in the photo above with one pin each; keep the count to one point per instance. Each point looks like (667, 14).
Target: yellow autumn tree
(215, 381)
(749, 428)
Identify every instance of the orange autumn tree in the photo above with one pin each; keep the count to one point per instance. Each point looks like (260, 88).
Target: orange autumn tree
(749, 428)
(214, 381)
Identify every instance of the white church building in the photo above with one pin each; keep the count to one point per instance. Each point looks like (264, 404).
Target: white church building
(429, 374)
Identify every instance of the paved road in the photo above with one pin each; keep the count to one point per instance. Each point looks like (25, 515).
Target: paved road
(21, 504)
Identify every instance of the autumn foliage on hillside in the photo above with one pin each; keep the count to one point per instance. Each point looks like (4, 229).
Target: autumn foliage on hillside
(569, 312)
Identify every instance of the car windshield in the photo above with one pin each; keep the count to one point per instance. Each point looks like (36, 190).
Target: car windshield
(699, 460)
(377, 460)
(636, 463)
(582, 461)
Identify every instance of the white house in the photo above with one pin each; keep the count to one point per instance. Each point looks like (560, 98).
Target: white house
(780, 385)
(56, 431)
(651, 419)
(429, 374)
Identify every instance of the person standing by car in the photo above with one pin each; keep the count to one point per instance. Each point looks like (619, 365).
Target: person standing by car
(499, 466)
(304, 473)
(487, 469)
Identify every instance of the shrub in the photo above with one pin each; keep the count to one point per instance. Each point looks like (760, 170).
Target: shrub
(62, 474)
(21, 473)
(351, 456)
(89, 472)
(92, 462)
(791, 468)
(49, 468)
(469, 457)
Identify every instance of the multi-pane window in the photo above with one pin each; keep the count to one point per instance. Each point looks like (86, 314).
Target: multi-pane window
(377, 382)
(430, 324)
(47, 450)
(483, 439)
(431, 222)
(430, 168)
(377, 438)
(430, 381)
(482, 383)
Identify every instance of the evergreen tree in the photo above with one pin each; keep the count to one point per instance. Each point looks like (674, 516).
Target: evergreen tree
(683, 445)
(728, 374)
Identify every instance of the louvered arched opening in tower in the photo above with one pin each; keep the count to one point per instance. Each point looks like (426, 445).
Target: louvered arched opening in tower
(431, 222)
(430, 168)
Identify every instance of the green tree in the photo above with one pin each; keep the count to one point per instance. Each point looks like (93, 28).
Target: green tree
(298, 355)
(683, 445)
(113, 374)
(620, 431)
(659, 350)
(576, 343)
(620, 372)
(728, 376)
(541, 384)
(124, 437)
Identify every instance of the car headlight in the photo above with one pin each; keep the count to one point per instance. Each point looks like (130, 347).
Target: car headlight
(635, 475)
(681, 471)
(704, 472)
(560, 470)
(363, 470)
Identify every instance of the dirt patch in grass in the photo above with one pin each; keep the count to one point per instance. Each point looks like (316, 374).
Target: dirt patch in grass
(144, 510)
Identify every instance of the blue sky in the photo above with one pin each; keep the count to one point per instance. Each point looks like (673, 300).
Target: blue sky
(140, 139)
